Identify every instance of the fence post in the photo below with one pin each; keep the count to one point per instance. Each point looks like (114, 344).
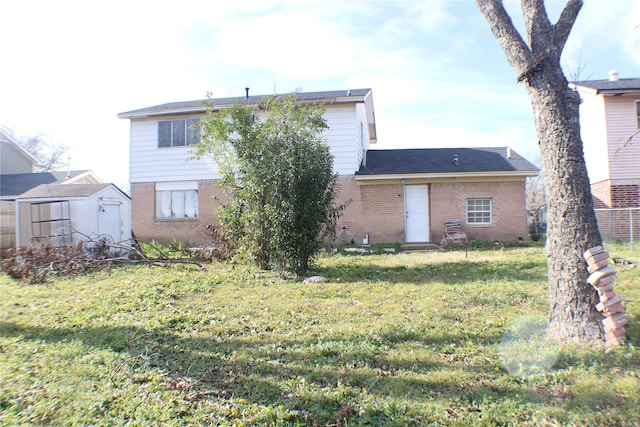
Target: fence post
(631, 235)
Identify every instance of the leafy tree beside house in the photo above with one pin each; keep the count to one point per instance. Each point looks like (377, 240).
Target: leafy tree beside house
(278, 173)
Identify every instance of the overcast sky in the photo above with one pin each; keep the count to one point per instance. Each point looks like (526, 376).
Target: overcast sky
(438, 76)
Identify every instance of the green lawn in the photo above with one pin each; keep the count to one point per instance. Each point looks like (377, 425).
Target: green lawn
(449, 338)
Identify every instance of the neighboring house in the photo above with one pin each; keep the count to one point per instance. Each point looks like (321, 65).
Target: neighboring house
(13, 157)
(394, 195)
(610, 124)
(65, 214)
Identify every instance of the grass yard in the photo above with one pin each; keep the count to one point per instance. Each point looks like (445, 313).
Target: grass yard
(439, 339)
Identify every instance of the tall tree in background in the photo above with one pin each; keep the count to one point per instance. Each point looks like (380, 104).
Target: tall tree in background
(572, 226)
(278, 172)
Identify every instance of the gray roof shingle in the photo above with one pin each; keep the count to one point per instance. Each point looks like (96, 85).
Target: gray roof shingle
(63, 190)
(443, 161)
(18, 183)
(199, 106)
(620, 85)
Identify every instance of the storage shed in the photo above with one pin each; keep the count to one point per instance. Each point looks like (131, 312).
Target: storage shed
(65, 214)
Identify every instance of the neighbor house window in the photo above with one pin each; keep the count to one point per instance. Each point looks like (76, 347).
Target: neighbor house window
(176, 200)
(178, 133)
(478, 211)
(638, 112)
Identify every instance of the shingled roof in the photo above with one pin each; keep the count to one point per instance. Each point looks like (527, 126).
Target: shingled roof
(611, 86)
(17, 183)
(64, 190)
(446, 161)
(200, 106)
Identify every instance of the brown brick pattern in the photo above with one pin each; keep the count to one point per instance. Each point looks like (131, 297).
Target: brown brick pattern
(193, 230)
(378, 210)
(607, 194)
(375, 210)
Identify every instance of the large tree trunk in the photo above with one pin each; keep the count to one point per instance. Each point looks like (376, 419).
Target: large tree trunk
(572, 226)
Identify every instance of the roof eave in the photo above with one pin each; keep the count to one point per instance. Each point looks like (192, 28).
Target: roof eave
(446, 175)
(144, 113)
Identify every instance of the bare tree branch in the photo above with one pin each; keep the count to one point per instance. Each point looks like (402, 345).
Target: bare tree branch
(628, 142)
(565, 23)
(518, 53)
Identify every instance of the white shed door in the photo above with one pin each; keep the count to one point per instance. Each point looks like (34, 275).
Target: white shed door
(416, 213)
(109, 221)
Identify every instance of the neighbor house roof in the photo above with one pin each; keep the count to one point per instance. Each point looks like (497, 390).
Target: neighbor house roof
(610, 87)
(64, 190)
(18, 183)
(444, 162)
(200, 106)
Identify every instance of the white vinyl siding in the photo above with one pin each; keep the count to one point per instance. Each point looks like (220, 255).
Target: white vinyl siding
(152, 164)
(478, 211)
(622, 122)
(593, 131)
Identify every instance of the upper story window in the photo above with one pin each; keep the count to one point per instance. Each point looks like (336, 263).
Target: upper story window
(478, 211)
(638, 112)
(178, 133)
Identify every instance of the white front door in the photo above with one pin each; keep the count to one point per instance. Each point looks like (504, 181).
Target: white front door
(416, 201)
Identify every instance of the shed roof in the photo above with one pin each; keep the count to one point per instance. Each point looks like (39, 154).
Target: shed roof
(200, 106)
(448, 161)
(65, 190)
(17, 183)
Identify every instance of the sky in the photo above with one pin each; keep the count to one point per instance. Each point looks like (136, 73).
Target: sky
(438, 76)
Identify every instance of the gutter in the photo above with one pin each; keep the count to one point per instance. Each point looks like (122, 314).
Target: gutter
(451, 176)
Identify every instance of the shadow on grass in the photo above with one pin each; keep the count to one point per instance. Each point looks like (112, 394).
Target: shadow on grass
(453, 273)
(319, 379)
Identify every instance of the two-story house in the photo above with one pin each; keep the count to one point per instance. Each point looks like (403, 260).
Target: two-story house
(609, 121)
(610, 130)
(395, 195)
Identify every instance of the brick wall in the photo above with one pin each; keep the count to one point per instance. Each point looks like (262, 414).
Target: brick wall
(378, 210)
(193, 230)
(608, 194)
(509, 216)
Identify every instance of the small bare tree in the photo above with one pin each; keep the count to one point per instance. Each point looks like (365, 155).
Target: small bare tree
(49, 154)
(572, 226)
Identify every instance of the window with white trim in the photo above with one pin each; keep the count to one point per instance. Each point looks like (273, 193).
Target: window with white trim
(638, 112)
(176, 200)
(478, 211)
(178, 133)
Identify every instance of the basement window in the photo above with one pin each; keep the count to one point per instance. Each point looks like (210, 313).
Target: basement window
(478, 211)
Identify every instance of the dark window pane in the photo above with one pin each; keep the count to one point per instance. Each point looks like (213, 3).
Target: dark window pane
(164, 134)
(193, 131)
(178, 133)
